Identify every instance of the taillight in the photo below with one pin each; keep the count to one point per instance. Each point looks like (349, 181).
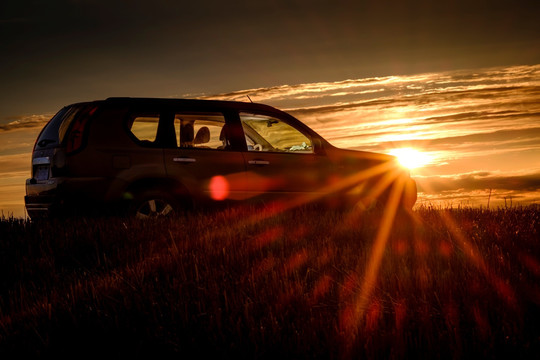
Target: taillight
(76, 133)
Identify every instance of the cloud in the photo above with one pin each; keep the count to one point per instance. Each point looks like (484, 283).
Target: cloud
(21, 122)
(466, 145)
(402, 90)
(464, 102)
(481, 180)
(483, 114)
(324, 91)
(523, 73)
(480, 188)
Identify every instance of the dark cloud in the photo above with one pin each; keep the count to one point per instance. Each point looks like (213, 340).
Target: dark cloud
(479, 181)
(486, 115)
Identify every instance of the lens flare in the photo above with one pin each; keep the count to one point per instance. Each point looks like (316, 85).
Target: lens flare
(219, 188)
(411, 158)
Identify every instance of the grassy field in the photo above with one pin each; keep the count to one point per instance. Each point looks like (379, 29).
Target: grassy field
(302, 283)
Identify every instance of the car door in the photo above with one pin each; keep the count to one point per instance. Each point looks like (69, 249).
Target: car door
(281, 160)
(204, 159)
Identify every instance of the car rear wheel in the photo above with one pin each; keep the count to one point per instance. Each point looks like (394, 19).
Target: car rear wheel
(153, 205)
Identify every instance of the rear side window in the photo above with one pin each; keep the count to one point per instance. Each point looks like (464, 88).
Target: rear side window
(201, 130)
(145, 127)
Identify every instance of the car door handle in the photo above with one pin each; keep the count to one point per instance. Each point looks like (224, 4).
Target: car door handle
(184, 160)
(258, 162)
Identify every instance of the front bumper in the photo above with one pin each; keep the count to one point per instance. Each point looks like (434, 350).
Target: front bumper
(410, 194)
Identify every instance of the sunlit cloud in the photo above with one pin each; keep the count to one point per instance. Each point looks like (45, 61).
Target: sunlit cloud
(400, 90)
(323, 91)
(19, 122)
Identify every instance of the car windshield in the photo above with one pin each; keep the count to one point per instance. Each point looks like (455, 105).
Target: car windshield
(274, 134)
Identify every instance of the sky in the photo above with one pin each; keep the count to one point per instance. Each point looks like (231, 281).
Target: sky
(457, 79)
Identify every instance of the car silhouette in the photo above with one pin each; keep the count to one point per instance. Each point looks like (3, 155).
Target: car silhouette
(153, 157)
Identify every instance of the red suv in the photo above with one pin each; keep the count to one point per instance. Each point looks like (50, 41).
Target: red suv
(151, 157)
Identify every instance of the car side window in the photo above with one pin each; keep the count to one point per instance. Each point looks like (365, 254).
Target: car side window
(201, 130)
(267, 133)
(144, 128)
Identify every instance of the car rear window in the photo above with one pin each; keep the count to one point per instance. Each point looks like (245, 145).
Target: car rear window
(55, 131)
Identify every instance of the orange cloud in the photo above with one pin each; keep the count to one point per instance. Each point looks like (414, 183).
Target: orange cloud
(21, 122)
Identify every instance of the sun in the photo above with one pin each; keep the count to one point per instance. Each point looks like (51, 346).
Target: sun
(411, 158)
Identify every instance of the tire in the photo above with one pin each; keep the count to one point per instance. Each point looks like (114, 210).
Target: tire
(152, 205)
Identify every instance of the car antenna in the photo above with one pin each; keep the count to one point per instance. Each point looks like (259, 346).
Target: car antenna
(249, 98)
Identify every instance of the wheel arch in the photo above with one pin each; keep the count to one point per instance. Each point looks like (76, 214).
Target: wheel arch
(170, 186)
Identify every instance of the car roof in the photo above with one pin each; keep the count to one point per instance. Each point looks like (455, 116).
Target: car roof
(192, 102)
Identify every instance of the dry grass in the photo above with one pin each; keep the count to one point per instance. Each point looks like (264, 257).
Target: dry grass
(452, 283)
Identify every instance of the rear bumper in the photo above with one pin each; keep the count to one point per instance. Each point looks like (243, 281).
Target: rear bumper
(50, 206)
(59, 197)
(41, 198)
(40, 206)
